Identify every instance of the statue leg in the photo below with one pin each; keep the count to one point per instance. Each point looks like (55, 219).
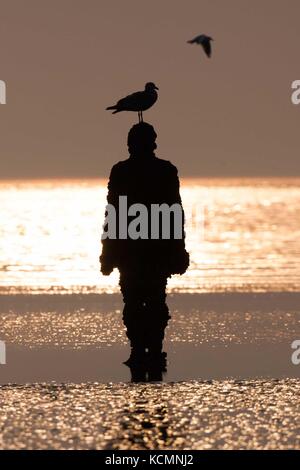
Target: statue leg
(157, 314)
(134, 314)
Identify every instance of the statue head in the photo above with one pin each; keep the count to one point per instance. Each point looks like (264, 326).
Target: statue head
(141, 140)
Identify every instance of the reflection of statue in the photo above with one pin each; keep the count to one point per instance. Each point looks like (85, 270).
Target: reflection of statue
(147, 371)
(145, 264)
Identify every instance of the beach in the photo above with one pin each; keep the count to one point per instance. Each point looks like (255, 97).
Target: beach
(149, 229)
(230, 382)
(261, 414)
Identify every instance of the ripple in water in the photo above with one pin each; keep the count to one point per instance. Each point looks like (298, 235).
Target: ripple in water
(50, 236)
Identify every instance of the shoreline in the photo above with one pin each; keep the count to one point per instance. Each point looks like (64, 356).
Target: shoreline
(218, 300)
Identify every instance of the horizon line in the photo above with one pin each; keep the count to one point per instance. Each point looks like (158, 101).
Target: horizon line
(69, 179)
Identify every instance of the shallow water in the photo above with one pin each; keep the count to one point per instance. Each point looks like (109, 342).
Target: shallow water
(81, 338)
(242, 236)
(76, 322)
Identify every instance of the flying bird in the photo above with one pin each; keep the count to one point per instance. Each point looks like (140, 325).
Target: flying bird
(138, 101)
(204, 41)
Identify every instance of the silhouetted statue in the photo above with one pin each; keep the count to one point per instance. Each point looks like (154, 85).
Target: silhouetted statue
(144, 263)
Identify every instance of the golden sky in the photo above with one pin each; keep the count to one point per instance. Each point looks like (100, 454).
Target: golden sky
(64, 61)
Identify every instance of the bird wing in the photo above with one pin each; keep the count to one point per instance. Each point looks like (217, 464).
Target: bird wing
(207, 47)
(195, 39)
(130, 101)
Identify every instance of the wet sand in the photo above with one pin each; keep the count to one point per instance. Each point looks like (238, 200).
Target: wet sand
(230, 381)
(260, 414)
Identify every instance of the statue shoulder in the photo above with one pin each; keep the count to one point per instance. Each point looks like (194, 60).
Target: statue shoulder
(119, 167)
(168, 166)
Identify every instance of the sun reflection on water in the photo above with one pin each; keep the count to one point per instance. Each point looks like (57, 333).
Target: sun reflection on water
(50, 236)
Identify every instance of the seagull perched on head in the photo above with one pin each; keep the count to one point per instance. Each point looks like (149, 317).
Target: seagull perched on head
(204, 41)
(139, 101)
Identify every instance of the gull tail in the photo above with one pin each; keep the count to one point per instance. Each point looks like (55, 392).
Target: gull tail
(116, 110)
(191, 41)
